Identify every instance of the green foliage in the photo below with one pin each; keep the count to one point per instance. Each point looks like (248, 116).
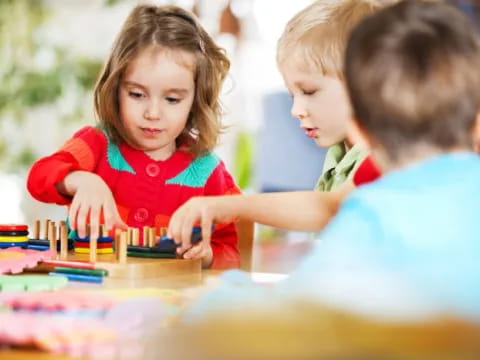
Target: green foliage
(86, 72)
(26, 86)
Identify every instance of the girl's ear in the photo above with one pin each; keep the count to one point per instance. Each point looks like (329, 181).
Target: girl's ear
(476, 134)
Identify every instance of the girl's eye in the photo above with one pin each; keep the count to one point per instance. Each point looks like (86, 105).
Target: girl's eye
(172, 100)
(305, 92)
(135, 94)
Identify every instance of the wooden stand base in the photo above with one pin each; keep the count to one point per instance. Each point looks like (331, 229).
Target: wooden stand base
(140, 268)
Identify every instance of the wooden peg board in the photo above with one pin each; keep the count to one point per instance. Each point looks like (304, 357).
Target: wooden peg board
(142, 268)
(128, 267)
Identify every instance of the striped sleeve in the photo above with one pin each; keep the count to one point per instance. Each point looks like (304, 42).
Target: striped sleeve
(81, 152)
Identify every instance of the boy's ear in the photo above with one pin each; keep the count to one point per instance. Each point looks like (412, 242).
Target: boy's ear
(476, 134)
(356, 135)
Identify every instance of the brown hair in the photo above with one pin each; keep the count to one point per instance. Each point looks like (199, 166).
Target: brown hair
(413, 75)
(318, 34)
(172, 28)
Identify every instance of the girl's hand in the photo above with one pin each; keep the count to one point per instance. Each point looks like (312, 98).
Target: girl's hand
(91, 197)
(202, 250)
(203, 210)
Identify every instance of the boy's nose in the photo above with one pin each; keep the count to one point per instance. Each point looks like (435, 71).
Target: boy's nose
(298, 111)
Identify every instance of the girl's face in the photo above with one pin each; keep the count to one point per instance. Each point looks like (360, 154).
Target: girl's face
(320, 103)
(156, 95)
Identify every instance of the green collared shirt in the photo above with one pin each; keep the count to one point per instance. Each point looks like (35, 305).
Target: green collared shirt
(339, 165)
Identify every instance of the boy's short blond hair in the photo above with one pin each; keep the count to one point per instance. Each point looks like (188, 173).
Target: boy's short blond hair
(317, 36)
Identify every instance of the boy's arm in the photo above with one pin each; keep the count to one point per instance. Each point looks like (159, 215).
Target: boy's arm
(220, 251)
(299, 210)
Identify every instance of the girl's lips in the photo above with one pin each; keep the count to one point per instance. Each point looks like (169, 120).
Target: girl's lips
(151, 131)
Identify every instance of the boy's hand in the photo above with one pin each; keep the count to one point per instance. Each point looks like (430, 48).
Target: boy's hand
(91, 196)
(202, 250)
(203, 210)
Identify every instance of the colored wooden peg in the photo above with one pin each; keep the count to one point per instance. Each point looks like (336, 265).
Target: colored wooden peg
(163, 231)
(52, 237)
(93, 249)
(36, 230)
(46, 227)
(116, 240)
(123, 248)
(135, 235)
(74, 264)
(130, 236)
(152, 237)
(144, 240)
(63, 241)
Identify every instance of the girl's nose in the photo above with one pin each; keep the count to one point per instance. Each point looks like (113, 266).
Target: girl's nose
(152, 112)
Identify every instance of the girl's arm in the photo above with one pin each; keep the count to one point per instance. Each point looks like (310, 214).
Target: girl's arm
(81, 152)
(67, 177)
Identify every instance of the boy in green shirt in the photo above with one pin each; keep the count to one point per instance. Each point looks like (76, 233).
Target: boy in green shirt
(310, 59)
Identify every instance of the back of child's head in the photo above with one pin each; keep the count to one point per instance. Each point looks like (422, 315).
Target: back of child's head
(413, 75)
(317, 36)
(168, 28)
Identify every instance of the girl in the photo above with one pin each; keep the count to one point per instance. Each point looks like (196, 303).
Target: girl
(159, 118)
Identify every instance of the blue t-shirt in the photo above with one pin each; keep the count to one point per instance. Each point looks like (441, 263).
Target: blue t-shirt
(408, 241)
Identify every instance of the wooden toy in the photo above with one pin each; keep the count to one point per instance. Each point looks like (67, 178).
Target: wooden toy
(39, 242)
(13, 235)
(117, 263)
(164, 246)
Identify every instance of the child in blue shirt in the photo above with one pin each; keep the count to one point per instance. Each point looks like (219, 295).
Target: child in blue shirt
(409, 243)
(412, 73)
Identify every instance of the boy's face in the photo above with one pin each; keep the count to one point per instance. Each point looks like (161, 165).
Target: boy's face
(320, 103)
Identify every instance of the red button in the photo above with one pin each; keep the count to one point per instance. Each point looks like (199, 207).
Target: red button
(141, 215)
(152, 170)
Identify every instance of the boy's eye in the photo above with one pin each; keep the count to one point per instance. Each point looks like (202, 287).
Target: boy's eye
(172, 100)
(135, 94)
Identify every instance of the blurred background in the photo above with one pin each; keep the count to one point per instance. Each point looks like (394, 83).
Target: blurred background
(51, 52)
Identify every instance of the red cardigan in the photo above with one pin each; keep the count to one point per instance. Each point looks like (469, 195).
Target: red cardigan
(146, 192)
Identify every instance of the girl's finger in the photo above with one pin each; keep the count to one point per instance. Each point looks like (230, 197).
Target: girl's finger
(186, 229)
(94, 221)
(194, 253)
(206, 228)
(82, 214)
(173, 231)
(112, 217)
(72, 214)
